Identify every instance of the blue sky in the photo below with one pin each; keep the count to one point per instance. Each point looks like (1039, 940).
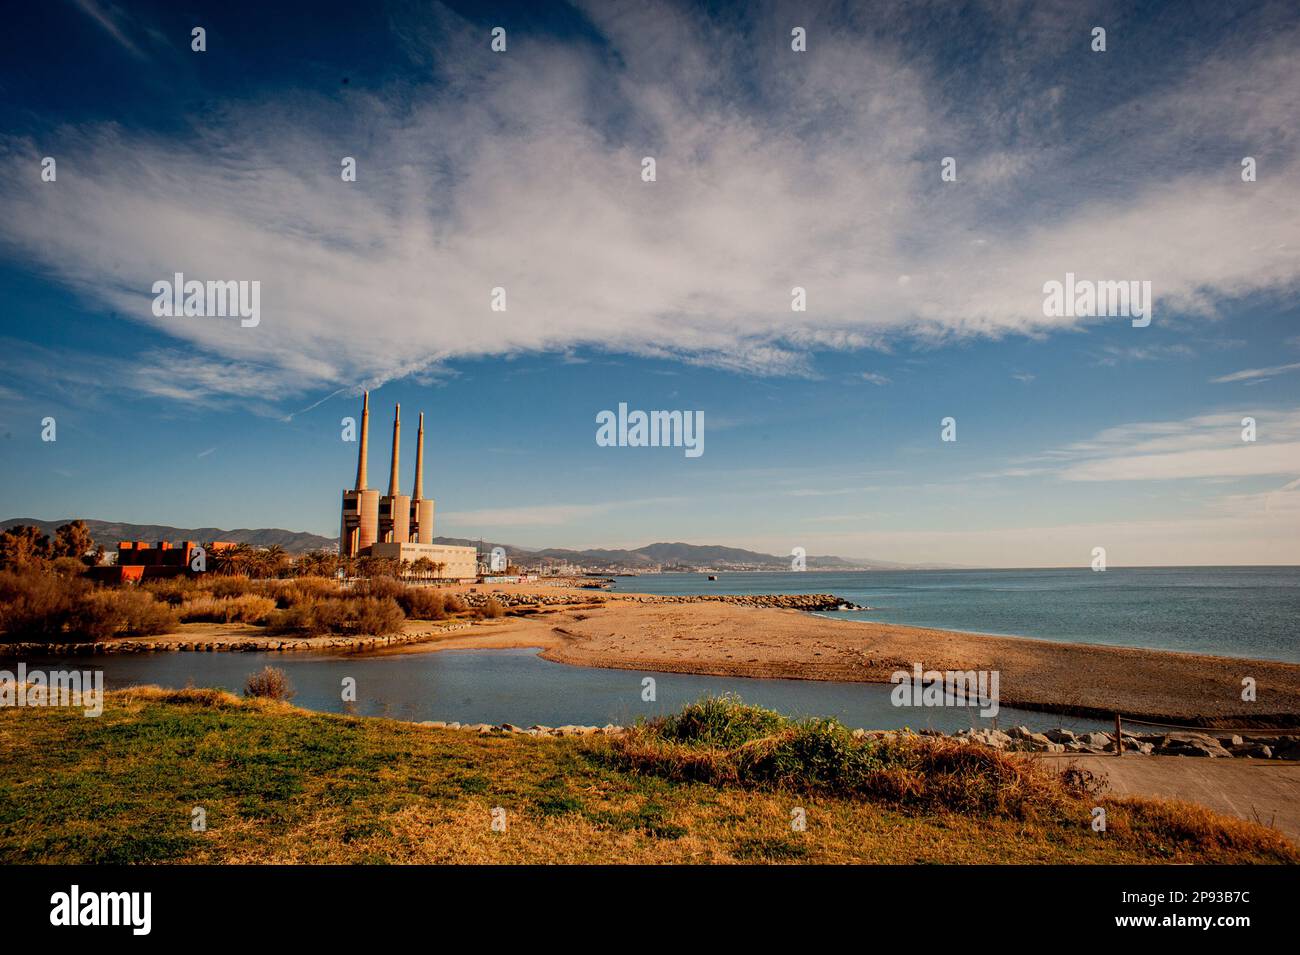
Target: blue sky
(774, 169)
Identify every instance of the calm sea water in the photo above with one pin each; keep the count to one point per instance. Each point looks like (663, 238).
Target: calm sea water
(517, 686)
(1231, 611)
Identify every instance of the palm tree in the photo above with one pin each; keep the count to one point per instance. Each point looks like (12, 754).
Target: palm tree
(274, 560)
(236, 560)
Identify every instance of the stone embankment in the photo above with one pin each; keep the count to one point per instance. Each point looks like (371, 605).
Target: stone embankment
(477, 599)
(1206, 743)
(1018, 739)
(505, 729)
(236, 645)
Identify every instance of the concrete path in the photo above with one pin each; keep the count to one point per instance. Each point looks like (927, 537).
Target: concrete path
(1263, 791)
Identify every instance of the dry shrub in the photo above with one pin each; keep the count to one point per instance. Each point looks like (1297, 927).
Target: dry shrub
(452, 604)
(423, 603)
(492, 609)
(236, 586)
(291, 593)
(350, 616)
(269, 684)
(725, 742)
(201, 697)
(174, 590)
(1170, 825)
(46, 606)
(37, 606)
(941, 772)
(106, 613)
(68, 567)
(381, 588)
(246, 609)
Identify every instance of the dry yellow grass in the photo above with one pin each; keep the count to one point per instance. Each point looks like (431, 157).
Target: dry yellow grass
(280, 784)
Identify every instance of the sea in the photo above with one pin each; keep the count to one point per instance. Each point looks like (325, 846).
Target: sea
(1226, 611)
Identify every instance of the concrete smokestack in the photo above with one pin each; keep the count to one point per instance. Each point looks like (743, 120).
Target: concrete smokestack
(419, 461)
(365, 442)
(397, 447)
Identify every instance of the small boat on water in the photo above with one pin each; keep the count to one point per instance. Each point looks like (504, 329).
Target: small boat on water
(713, 576)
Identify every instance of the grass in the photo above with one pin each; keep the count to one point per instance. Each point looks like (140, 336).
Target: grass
(281, 784)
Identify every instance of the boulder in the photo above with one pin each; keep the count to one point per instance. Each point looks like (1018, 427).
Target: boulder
(1288, 747)
(1191, 744)
(1254, 752)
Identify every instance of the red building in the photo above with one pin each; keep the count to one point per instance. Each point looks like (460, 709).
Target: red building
(137, 560)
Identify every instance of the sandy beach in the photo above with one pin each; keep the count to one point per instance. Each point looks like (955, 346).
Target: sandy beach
(725, 640)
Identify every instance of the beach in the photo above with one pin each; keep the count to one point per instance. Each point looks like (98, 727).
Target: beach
(635, 632)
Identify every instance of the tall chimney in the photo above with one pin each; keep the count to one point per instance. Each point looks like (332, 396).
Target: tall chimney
(365, 442)
(397, 437)
(419, 461)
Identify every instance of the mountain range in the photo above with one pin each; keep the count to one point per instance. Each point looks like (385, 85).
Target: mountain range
(677, 556)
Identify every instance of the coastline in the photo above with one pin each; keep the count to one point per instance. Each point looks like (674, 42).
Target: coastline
(721, 639)
(738, 637)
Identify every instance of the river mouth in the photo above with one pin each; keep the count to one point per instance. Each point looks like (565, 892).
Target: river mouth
(517, 686)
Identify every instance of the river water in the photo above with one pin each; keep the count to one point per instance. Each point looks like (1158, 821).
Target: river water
(517, 686)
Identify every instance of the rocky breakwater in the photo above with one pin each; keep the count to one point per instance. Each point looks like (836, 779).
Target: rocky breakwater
(806, 602)
(477, 599)
(1018, 739)
(1204, 743)
(508, 729)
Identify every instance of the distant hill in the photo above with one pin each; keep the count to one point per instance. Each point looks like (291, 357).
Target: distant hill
(686, 556)
(108, 533)
(666, 555)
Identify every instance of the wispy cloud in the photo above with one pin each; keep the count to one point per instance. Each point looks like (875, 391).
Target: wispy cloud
(1206, 446)
(1252, 373)
(1111, 355)
(113, 19)
(551, 515)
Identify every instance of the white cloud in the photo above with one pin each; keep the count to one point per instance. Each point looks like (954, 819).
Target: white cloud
(1205, 446)
(1252, 373)
(820, 172)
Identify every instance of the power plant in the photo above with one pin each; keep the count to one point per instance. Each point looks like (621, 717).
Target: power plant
(396, 525)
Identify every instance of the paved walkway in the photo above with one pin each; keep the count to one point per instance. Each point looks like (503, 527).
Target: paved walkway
(1264, 791)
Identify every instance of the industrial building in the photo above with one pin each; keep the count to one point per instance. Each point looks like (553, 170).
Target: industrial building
(396, 525)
